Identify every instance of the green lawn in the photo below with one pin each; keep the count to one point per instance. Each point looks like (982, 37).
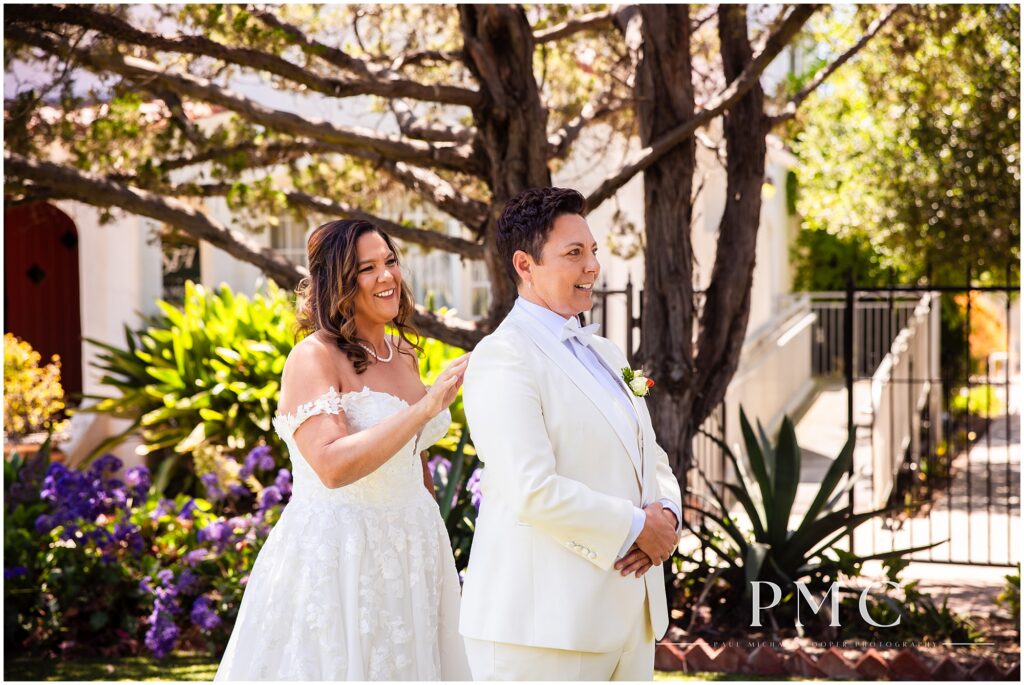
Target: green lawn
(679, 675)
(175, 667)
(203, 667)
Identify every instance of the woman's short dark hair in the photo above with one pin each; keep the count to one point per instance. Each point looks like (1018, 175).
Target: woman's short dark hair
(527, 219)
(327, 296)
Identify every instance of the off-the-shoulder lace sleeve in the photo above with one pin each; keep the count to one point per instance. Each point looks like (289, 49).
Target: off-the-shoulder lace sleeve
(331, 402)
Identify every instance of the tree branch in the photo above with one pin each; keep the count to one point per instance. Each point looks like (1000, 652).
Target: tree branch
(587, 22)
(421, 56)
(180, 119)
(376, 80)
(427, 184)
(440, 193)
(258, 155)
(150, 76)
(123, 32)
(789, 111)
(28, 194)
(723, 101)
(67, 182)
(457, 332)
(412, 127)
(562, 140)
(419, 236)
(101, 192)
(429, 239)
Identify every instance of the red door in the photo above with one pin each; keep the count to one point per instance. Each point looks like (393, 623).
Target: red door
(41, 302)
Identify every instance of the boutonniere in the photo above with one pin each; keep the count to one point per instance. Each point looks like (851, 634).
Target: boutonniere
(638, 383)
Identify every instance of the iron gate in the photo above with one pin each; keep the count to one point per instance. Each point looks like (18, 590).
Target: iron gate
(937, 421)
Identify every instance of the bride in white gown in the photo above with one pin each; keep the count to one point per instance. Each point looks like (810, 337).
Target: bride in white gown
(357, 580)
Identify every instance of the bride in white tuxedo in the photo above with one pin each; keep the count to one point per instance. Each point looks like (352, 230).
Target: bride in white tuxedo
(357, 579)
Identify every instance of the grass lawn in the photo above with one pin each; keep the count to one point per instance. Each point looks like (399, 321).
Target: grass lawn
(679, 675)
(203, 667)
(174, 667)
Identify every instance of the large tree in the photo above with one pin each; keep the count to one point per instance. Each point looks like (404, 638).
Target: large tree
(478, 102)
(691, 341)
(911, 161)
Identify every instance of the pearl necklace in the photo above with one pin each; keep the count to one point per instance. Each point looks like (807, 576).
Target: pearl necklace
(391, 352)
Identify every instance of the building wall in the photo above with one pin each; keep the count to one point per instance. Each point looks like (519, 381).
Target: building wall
(119, 274)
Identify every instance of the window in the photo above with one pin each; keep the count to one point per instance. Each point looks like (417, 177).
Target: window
(288, 239)
(479, 289)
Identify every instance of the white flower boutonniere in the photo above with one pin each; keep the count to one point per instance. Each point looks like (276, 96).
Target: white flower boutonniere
(638, 383)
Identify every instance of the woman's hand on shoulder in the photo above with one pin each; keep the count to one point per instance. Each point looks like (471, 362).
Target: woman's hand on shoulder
(442, 393)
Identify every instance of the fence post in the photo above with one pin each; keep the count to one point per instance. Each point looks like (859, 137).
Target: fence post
(848, 361)
(629, 319)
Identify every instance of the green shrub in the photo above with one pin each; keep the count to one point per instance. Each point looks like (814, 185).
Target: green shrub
(205, 374)
(907, 614)
(1009, 598)
(981, 400)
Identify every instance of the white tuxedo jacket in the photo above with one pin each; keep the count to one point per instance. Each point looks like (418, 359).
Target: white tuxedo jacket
(563, 469)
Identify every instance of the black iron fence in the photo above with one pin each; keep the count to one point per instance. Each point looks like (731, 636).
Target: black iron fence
(937, 423)
(624, 298)
(878, 319)
(936, 419)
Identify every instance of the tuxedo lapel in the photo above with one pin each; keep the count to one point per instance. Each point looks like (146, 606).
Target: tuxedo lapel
(643, 418)
(581, 378)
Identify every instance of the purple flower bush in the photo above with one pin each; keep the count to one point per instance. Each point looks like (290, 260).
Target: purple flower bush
(97, 561)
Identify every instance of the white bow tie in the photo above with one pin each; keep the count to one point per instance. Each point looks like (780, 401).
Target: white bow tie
(583, 334)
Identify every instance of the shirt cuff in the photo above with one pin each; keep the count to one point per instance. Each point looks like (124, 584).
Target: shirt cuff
(671, 506)
(639, 518)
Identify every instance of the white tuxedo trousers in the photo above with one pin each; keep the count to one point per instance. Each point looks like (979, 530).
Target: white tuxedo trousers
(503, 661)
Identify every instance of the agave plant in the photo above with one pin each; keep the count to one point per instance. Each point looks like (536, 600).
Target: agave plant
(767, 548)
(206, 373)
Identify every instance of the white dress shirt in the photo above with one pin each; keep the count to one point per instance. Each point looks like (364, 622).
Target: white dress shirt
(554, 323)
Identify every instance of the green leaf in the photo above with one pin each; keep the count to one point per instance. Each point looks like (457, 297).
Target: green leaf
(194, 439)
(98, 619)
(839, 467)
(229, 354)
(757, 464)
(787, 478)
(754, 561)
(166, 376)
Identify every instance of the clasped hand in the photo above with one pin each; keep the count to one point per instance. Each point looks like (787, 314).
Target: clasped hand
(655, 543)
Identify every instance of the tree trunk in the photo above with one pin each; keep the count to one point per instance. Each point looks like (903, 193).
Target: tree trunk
(723, 321)
(665, 99)
(691, 383)
(511, 123)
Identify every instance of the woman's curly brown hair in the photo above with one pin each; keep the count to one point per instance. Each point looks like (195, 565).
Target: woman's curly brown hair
(327, 295)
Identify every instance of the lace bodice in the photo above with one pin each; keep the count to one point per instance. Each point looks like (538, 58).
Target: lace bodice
(396, 481)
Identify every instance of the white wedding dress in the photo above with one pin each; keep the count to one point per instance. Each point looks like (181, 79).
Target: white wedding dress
(357, 582)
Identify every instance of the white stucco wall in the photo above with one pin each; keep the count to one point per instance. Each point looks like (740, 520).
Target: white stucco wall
(119, 280)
